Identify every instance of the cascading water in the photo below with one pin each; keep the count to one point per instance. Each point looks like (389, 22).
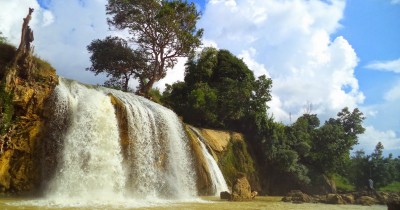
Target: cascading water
(93, 169)
(90, 166)
(216, 175)
(158, 159)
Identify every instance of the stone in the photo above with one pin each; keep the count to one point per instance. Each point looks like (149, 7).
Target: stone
(296, 196)
(366, 201)
(241, 189)
(334, 199)
(393, 202)
(348, 198)
(225, 195)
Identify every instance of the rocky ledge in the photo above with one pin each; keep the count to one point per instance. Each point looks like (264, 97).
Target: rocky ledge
(359, 198)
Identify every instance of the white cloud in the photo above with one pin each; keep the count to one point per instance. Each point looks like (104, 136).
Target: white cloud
(395, 1)
(372, 136)
(394, 93)
(384, 115)
(290, 41)
(393, 66)
(257, 68)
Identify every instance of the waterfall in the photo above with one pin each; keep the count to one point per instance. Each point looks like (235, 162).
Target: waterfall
(93, 168)
(216, 175)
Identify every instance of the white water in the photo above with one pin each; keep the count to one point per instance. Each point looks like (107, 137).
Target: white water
(159, 161)
(91, 165)
(216, 175)
(92, 170)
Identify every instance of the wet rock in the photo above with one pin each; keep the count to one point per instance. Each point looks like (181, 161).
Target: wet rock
(225, 195)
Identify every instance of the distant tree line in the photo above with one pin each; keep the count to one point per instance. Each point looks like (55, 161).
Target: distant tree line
(382, 170)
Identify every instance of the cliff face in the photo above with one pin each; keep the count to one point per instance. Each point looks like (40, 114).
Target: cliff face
(22, 118)
(230, 151)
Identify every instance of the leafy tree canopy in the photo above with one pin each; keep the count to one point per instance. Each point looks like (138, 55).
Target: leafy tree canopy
(114, 57)
(219, 91)
(162, 31)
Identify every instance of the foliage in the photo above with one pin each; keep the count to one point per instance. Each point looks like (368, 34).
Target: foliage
(342, 184)
(3, 39)
(219, 91)
(236, 160)
(114, 57)
(155, 95)
(162, 30)
(382, 170)
(334, 140)
(6, 109)
(7, 53)
(392, 187)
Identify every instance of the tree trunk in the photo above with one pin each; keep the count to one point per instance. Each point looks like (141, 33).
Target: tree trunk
(126, 84)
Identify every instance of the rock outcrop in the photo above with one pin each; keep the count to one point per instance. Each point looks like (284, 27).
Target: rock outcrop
(23, 119)
(241, 190)
(229, 149)
(203, 182)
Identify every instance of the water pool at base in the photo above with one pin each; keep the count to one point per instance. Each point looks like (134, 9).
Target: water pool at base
(203, 203)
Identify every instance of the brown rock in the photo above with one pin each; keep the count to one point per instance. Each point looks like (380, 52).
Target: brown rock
(203, 182)
(225, 195)
(393, 202)
(366, 201)
(348, 198)
(334, 199)
(218, 140)
(299, 197)
(241, 189)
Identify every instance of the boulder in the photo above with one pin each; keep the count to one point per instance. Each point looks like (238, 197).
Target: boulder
(225, 195)
(366, 201)
(241, 189)
(393, 202)
(348, 198)
(296, 196)
(334, 199)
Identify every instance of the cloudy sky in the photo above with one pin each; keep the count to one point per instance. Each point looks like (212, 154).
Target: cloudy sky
(327, 53)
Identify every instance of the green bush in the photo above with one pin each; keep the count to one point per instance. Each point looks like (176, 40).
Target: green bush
(392, 187)
(342, 184)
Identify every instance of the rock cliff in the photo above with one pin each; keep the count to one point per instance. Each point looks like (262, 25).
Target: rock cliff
(229, 149)
(22, 119)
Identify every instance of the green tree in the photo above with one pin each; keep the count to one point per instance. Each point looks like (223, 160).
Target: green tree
(162, 30)
(359, 170)
(114, 57)
(223, 88)
(2, 38)
(334, 140)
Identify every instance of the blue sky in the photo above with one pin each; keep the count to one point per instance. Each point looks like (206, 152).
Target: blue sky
(330, 53)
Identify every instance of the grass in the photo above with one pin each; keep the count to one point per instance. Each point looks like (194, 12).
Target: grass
(342, 184)
(392, 187)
